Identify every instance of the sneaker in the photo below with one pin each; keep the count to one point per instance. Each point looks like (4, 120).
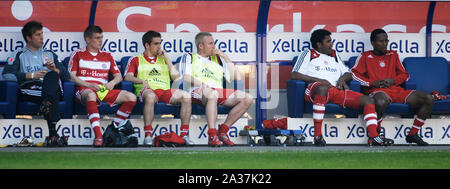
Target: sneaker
(98, 142)
(62, 141)
(225, 139)
(51, 141)
(213, 140)
(319, 141)
(44, 109)
(387, 141)
(379, 141)
(188, 141)
(416, 139)
(148, 141)
(25, 142)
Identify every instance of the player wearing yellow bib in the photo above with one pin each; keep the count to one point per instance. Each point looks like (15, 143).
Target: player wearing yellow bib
(205, 71)
(150, 74)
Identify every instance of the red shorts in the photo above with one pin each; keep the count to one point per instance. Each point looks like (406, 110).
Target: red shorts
(223, 95)
(110, 98)
(397, 94)
(344, 98)
(161, 95)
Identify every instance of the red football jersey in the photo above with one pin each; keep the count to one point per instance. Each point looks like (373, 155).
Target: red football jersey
(369, 68)
(93, 69)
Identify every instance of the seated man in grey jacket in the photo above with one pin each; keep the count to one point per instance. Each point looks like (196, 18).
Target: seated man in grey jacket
(39, 75)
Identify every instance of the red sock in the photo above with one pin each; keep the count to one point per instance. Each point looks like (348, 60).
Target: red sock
(418, 123)
(94, 117)
(318, 113)
(184, 130)
(124, 111)
(379, 124)
(370, 116)
(148, 129)
(98, 132)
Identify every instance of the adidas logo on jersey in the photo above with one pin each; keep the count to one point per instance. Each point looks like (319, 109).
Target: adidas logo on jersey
(207, 71)
(153, 72)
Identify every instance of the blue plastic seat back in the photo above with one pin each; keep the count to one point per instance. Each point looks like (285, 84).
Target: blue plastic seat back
(429, 74)
(351, 61)
(123, 64)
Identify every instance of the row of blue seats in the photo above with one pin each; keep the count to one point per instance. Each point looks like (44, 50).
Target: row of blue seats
(10, 107)
(426, 74)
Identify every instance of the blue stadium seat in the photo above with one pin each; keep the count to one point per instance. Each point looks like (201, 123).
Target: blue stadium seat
(296, 102)
(8, 99)
(65, 62)
(351, 61)
(430, 74)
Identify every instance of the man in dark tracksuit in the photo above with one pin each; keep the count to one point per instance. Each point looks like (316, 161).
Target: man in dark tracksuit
(39, 74)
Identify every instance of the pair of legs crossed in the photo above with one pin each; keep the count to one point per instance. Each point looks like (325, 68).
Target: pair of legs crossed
(320, 94)
(49, 104)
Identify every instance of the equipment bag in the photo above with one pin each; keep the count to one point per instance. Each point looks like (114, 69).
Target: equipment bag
(122, 136)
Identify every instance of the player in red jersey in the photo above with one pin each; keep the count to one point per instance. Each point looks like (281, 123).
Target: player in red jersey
(381, 73)
(90, 69)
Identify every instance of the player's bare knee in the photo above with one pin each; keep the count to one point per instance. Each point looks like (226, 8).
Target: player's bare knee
(428, 100)
(212, 95)
(186, 98)
(131, 97)
(321, 90)
(365, 100)
(150, 98)
(248, 100)
(381, 100)
(90, 96)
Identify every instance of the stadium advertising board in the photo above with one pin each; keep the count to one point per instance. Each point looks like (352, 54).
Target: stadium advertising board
(354, 131)
(335, 131)
(441, 45)
(240, 47)
(80, 131)
(284, 46)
